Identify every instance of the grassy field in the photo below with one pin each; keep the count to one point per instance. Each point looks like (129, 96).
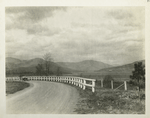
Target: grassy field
(101, 75)
(107, 101)
(14, 86)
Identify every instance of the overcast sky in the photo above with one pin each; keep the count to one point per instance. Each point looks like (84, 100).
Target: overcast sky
(114, 35)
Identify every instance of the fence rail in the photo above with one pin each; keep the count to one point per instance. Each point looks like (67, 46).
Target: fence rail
(112, 84)
(77, 81)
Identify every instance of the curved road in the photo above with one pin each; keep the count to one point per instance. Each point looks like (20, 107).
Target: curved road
(43, 98)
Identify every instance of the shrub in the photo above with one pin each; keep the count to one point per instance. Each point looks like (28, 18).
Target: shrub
(107, 81)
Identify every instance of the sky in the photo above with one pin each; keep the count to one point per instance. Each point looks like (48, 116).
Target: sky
(113, 35)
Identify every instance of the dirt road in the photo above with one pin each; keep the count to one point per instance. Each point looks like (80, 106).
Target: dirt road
(43, 98)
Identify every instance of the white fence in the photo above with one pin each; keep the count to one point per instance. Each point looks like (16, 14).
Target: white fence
(77, 81)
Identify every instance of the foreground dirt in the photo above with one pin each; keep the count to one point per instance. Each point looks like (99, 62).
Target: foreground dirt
(43, 98)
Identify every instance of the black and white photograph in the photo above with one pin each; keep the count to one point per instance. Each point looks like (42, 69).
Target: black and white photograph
(75, 60)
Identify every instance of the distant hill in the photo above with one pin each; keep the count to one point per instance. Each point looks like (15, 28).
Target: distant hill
(31, 62)
(118, 73)
(13, 60)
(87, 65)
(120, 70)
(14, 65)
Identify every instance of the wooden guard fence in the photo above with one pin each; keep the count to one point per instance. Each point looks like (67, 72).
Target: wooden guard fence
(77, 81)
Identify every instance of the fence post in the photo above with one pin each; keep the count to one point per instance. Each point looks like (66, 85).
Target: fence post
(125, 85)
(81, 83)
(65, 80)
(84, 84)
(112, 87)
(69, 80)
(93, 86)
(102, 83)
(60, 79)
(74, 81)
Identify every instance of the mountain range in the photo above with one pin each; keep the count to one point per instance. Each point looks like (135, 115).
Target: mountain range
(65, 67)
(86, 66)
(118, 70)
(29, 66)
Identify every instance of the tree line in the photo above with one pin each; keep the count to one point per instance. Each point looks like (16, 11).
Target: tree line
(138, 75)
(43, 68)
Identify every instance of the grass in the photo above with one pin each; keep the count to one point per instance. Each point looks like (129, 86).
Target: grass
(109, 102)
(15, 86)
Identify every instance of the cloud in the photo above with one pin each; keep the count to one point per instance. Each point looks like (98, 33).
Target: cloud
(29, 18)
(33, 13)
(108, 34)
(36, 29)
(122, 14)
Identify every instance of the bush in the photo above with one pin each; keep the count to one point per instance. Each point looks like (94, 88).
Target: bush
(107, 81)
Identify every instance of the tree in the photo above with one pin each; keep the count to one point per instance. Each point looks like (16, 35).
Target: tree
(59, 73)
(39, 69)
(47, 60)
(138, 75)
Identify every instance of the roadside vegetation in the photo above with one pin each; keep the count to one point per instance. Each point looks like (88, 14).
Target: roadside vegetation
(15, 86)
(107, 101)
